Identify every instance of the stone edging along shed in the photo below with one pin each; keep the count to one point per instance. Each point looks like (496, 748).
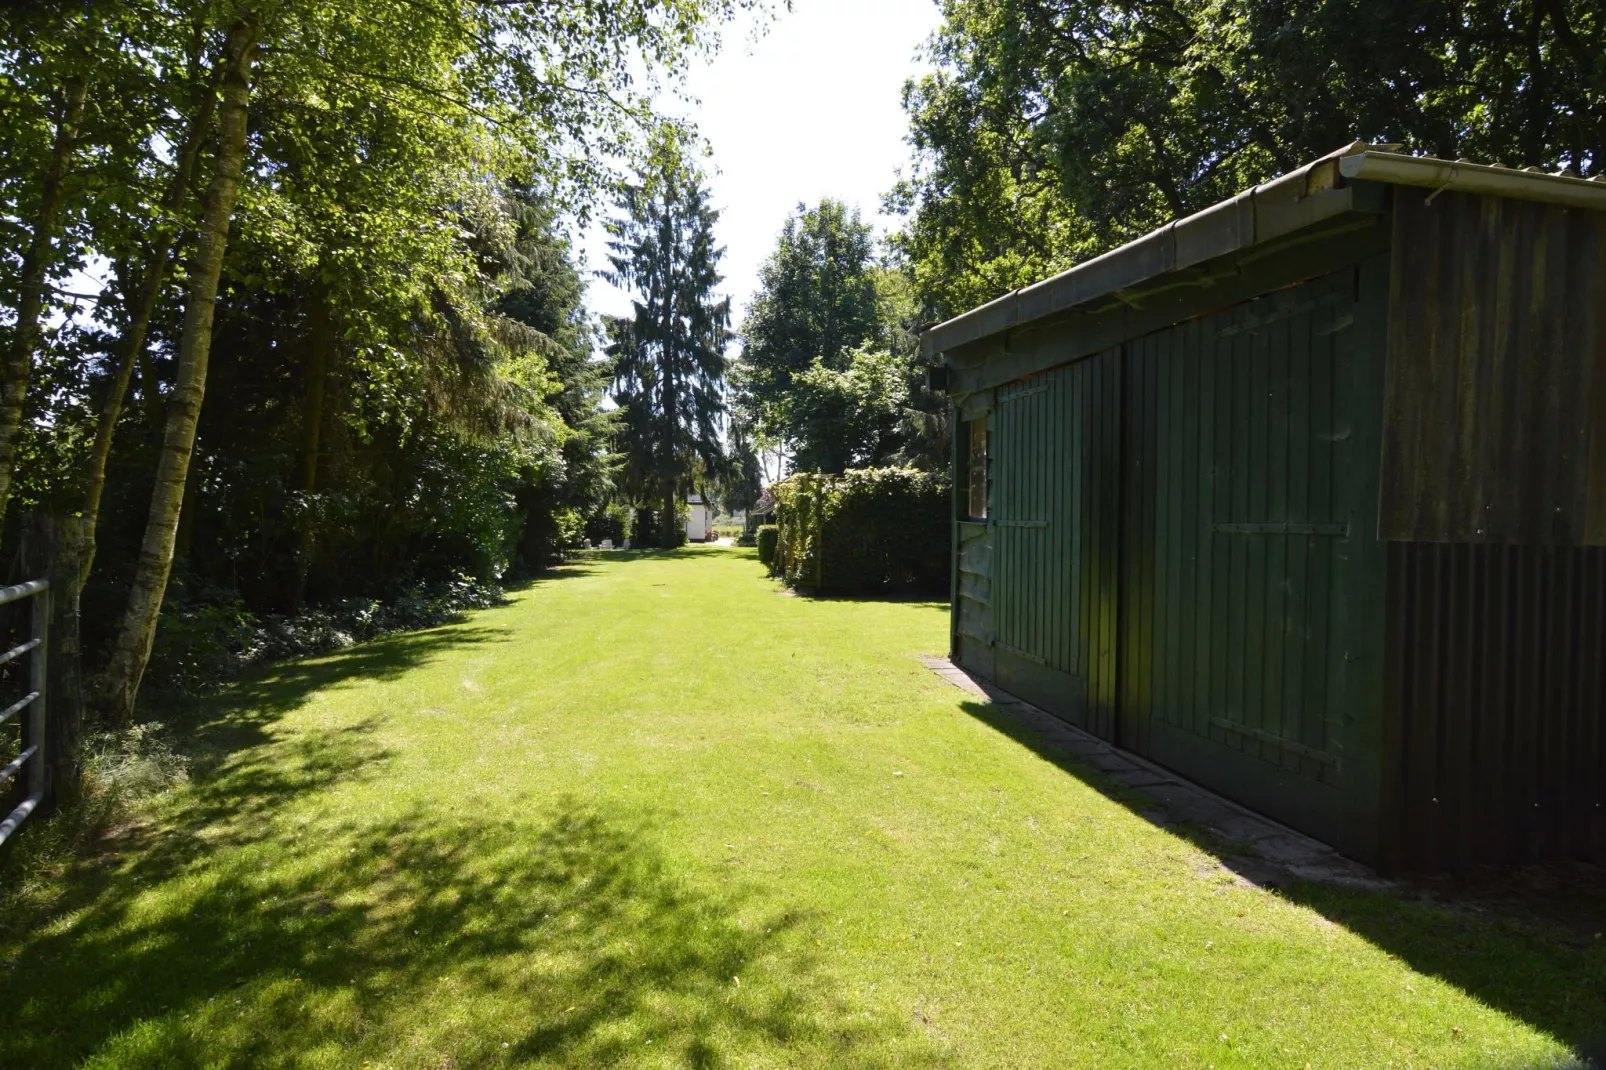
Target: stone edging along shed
(1304, 497)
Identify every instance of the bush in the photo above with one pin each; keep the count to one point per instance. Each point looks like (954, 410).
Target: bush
(608, 524)
(207, 637)
(869, 529)
(768, 536)
(650, 532)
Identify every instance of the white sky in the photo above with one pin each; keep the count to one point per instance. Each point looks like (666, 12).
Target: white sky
(811, 109)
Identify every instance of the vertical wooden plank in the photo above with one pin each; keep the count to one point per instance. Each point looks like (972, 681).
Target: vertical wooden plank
(1202, 386)
(1279, 343)
(1225, 582)
(1299, 721)
(1171, 638)
(1254, 566)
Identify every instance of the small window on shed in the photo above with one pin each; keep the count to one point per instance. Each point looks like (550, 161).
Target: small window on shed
(977, 469)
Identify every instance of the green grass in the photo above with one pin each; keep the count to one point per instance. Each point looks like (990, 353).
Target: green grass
(655, 813)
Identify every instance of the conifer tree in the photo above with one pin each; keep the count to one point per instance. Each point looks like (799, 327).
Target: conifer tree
(669, 356)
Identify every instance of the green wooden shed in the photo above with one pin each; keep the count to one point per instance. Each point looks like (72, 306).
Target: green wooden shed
(1304, 497)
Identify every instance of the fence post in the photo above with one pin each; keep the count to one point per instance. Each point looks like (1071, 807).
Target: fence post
(38, 659)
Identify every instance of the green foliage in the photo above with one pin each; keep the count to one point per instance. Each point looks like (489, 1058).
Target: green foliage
(829, 365)
(654, 529)
(610, 523)
(768, 541)
(208, 636)
(865, 530)
(402, 388)
(816, 301)
(1051, 130)
(851, 417)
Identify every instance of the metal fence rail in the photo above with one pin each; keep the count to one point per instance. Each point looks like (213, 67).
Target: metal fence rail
(32, 752)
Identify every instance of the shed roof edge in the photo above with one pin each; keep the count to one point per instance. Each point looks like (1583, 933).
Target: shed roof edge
(1267, 211)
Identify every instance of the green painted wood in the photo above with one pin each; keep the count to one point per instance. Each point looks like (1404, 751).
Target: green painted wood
(1054, 531)
(1047, 343)
(1250, 570)
(1182, 548)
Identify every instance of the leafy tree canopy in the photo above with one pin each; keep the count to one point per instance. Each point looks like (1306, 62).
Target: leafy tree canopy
(1052, 130)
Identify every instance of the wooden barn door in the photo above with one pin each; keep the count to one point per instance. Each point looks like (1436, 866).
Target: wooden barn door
(1245, 523)
(1055, 531)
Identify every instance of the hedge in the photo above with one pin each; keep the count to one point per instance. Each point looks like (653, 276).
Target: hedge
(869, 529)
(768, 537)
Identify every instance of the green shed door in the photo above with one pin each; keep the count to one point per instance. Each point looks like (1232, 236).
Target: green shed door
(1054, 525)
(1249, 447)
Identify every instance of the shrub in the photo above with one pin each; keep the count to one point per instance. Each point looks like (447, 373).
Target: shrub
(868, 529)
(608, 524)
(768, 537)
(207, 637)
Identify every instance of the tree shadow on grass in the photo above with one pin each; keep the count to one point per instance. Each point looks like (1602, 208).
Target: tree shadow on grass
(429, 940)
(243, 770)
(1533, 956)
(220, 930)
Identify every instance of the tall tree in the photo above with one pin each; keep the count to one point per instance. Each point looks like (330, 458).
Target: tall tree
(380, 133)
(1051, 130)
(149, 291)
(132, 649)
(816, 301)
(669, 357)
(40, 252)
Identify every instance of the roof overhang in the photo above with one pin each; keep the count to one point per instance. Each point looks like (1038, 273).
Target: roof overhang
(1314, 193)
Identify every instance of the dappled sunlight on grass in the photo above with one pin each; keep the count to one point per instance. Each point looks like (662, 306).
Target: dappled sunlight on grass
(428, 941)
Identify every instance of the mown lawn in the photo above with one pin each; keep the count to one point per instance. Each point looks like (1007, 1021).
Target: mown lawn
(653, 813)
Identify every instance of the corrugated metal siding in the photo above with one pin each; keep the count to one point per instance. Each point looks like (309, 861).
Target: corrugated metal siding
(1496, 392)
(1055, 527)
(1496, 697)
(1243, 525)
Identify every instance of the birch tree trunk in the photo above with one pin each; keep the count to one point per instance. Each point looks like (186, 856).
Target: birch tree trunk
(132, 650)
(36, 262)
(111, 409)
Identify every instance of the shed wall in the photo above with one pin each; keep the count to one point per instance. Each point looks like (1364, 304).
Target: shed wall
(1180, 553)
(1496, 705)
(1496, 393)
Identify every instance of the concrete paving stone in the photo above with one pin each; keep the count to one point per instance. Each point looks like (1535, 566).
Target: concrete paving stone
(1291, 850)
(1107, 763)
(1243, 828)
(1144, 778)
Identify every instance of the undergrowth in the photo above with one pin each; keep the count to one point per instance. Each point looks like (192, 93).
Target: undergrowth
(210, 638)
(124, 771)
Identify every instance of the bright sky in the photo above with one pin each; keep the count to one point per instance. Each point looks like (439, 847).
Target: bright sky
(809, 110)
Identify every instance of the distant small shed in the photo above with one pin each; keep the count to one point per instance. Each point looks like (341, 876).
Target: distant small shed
(1304, 496)
(699, 518)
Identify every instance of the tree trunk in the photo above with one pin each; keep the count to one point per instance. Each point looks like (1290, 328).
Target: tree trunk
(65, 707)
(36, 263)
(192, 502)
(320, 343)
(132, 649)
(668, 529)
(134, 345)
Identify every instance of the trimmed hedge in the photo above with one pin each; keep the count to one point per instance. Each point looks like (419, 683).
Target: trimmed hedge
(768, 538)
(869, 529)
